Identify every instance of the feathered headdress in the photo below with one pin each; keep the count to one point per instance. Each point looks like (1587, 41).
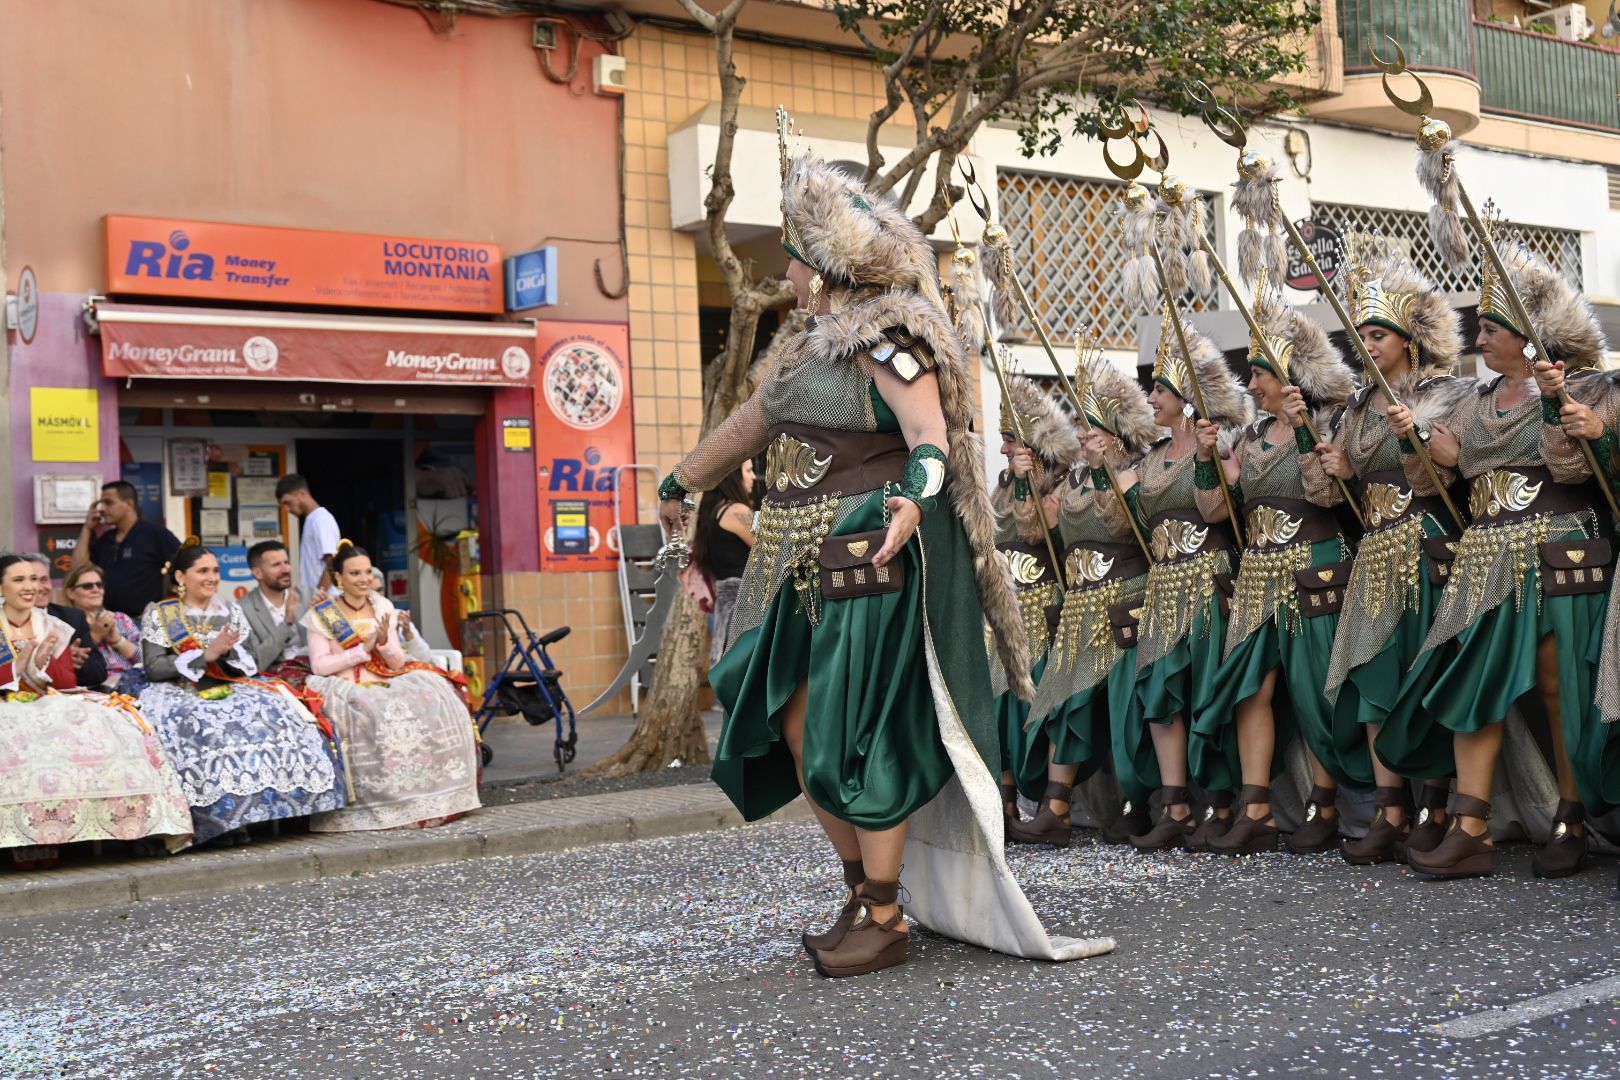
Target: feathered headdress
(1228, 403)
(1387, 290)
(1048, 427)
(1263, 244)
(1304, 356)
(1563, 318)
(1115, 402)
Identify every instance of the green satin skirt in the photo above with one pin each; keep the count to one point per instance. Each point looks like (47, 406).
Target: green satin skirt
(1023, 752)
(1166, 689)
(872, 751)
(1077, 731)
(1300, 659)
(1410, 743)
(1494, 664)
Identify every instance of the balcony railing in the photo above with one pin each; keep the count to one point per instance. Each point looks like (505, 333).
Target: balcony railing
(1537, 77)
(1437, 36)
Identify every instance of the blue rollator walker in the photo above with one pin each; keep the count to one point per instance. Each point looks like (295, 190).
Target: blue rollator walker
(528, 683)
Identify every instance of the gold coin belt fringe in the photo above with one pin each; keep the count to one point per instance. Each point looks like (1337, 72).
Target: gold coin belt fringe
(1265, 587)
(1389, 569)
(1176, 592)
(1084, 632)
(1032, 605)
(791, 536)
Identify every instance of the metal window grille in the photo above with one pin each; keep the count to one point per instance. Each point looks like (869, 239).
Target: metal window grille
(1409, 231)
(1070, 255)
(1614, 187)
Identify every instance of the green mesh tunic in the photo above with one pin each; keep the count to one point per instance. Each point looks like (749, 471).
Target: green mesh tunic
(1024, 748)
(1268, 633)
(872, 751)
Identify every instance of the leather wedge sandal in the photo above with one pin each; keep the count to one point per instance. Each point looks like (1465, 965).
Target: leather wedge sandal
(1046, 827)
(1171, 832)
(854, 877)
(1009, 809)
(1565, 853)
(1132, 821)
(1249, 836)
(1211, 824)
(869, 946)
(1319, 833)
(1461, 854)
(1429, 827)
(1379, 845)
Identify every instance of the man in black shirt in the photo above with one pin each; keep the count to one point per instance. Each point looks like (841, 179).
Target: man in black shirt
(131, 554)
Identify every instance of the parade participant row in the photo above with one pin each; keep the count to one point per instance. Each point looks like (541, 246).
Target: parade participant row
(1395, 655)
(207, 717)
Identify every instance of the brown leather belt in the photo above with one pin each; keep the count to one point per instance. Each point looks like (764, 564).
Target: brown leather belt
(804, 463)
(1174, 536)
(1031, 568)
(1503, 496)
(1275, 522)
(1090, 565)
(1389, 500)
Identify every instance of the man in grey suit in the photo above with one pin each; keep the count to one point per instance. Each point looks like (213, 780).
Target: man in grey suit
(278, 644)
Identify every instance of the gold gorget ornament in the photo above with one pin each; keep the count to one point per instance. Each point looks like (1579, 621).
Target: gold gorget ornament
(1501, 491)
(1175, 539)
(790, 461)
(1386, 504)
(1089, 566)
(1270, 527)
(1026, 568)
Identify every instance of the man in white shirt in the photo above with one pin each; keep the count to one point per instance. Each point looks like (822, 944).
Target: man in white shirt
(317, 538)
(277, 642)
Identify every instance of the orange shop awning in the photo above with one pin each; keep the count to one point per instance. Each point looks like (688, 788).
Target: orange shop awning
(150, 342)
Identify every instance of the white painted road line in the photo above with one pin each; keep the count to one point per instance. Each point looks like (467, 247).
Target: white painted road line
(1522, 1012)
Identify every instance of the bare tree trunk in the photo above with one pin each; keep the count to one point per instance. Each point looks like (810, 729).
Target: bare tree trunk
(670, 727)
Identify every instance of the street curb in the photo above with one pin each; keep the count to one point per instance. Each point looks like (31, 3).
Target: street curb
(520, 829)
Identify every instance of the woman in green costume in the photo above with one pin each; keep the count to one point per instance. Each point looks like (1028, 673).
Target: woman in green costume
(858, 671)
(1087, 677)
(1511, 632)
(1415, 338)
(1280, 634)
(1183, 623)
(1035, 468)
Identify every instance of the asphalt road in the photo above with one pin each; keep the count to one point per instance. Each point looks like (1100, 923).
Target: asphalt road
(680, 958)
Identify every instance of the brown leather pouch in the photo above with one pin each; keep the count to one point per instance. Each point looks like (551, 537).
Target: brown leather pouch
(1125, 618)
(1321, 588)
(1573, 567)
(1225, 589)
(847, 570)
(1438, 554)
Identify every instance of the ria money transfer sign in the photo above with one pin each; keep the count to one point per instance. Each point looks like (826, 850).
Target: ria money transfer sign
(584, 430)
(257, 264)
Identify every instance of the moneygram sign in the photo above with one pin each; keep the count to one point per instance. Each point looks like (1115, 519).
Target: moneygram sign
(150, 342)
(258, 264)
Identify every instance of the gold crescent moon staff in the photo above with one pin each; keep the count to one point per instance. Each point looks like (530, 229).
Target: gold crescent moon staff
(965, 261)
(1442, 180)
(997, 235)
(1136, 195)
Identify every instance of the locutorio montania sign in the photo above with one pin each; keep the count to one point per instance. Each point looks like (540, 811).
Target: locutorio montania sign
(258, 264)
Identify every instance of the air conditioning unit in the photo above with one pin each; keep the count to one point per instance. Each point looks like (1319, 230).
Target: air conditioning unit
(1568, 21)
(607, 73)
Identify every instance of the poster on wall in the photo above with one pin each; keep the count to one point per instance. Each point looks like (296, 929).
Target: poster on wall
(583, 431)
(66, 424)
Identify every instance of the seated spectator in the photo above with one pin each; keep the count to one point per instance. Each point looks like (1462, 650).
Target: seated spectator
(115, 636)
(90, 668)
(73, 767)
(246, 750)
(279, 644)
(131, 553)
(414, 644)
(411, 745)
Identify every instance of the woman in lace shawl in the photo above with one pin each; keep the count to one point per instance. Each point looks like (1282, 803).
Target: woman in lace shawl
(1515, 620)
(1182, 627)
(1415, 338)
(1087, 677)
(246, 750)
(858, 668)
(1035, 469)
(73, 767)
(1284, 616)
(409, 741)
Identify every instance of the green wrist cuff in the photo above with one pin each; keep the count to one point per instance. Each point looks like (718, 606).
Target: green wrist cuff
(1303, 439)
(1205, 478)
(1099, 479)
(925, 477)
(1021, 489)
(1406, 444)
(1550, 407)
(670, 489)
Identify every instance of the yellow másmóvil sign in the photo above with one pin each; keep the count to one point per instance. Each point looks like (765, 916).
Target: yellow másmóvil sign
(66, 424)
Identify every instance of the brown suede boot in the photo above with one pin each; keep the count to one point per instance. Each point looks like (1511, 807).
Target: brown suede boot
(1046, 827)
(1378, 846)
(854, 877)
(1319, 833)
(1460, 854)
(869, 946)
(1565, 853)
(1431, 823)
(1249, 836)
(1170, 832)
